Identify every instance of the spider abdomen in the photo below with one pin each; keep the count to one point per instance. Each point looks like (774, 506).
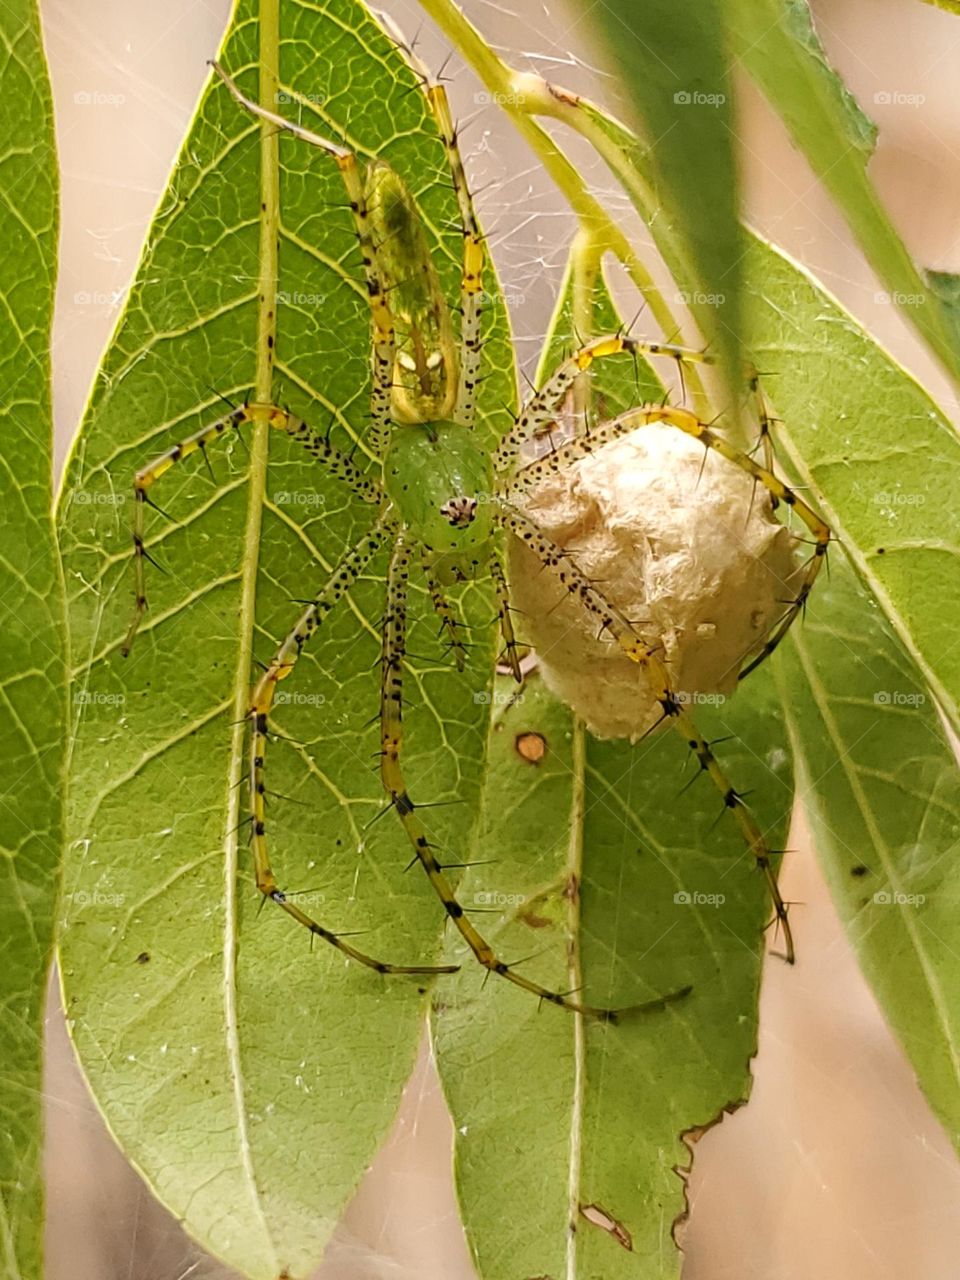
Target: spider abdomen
(441, 483)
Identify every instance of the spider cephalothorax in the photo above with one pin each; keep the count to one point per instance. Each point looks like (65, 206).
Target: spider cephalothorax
(441, 502)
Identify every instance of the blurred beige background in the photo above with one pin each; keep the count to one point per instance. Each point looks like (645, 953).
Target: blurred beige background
(836, 1169)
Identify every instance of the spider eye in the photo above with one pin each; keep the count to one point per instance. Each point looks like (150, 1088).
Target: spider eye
(459, 511)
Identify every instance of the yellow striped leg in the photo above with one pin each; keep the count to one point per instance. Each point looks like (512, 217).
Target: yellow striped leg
(449, 622)
(687, 422)
(391, 733)
(338, 463)
(384, 344)
(471, 282)
(503, 614)
(143, 481)
(635, 647)
(541, 408)
(280, 667)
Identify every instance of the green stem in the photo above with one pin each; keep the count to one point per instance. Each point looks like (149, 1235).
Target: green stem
(522, 96)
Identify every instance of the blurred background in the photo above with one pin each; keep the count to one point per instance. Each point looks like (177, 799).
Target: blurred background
(836, 1169)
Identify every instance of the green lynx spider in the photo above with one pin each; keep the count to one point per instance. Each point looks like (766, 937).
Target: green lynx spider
(427, 505)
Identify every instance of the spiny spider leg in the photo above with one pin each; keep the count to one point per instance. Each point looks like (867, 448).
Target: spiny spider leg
(279, 668)
(635, 647)
(503, 614)
(391, 733)
(541, 407)
(449, 621)
(384, 342)
(339, 464)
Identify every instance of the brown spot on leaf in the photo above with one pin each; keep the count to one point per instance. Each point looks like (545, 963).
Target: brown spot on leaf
(530, 917)
(143, 957)
(599, 1217)
(531, 747)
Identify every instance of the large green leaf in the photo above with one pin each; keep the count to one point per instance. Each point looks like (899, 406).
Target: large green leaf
(879, 781)
(250, 1080)
(570, 1135)
(673, 60)
(876, 447)
(33, 696)
(779, 46)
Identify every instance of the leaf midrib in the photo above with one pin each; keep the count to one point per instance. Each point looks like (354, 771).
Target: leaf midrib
(268, 276)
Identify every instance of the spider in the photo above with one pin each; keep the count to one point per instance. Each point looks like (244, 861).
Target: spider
(443, 503)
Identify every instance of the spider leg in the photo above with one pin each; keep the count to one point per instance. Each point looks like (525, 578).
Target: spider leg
(503, 613)
(338, 463)
(261, 703)
(384, 337)
(449, 621)
(541, 407)
(646, 656)
(391, 731)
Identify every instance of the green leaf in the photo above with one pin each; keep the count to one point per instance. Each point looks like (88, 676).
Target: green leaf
(951, 6)
(569, 1136)
(31, 627)
(673, 60)
(249, 1079)
(879, 781)
(877, 450)
(779, 46)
